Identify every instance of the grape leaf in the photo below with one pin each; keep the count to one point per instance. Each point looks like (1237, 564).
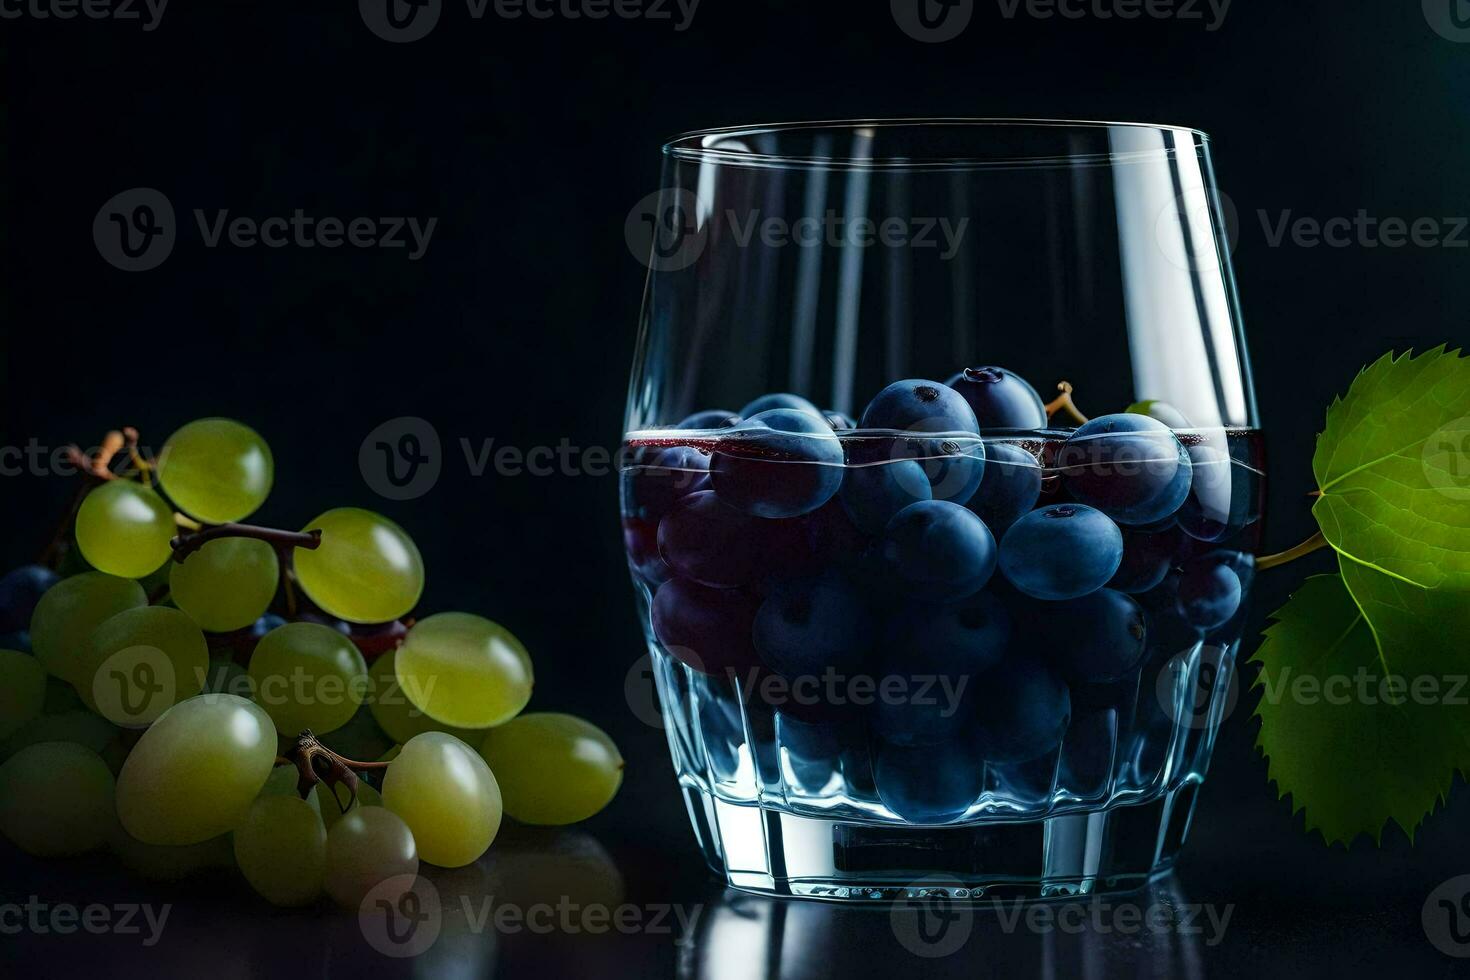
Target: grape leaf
(1393, 470)
(1347, 732)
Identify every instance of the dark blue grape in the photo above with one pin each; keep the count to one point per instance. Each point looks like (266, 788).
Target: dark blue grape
(766, 403)
(931, 784)
(839, 421)
(953, 463)
(1210, 592)
(929, 664)
(1097, 639)
(1063, 551)
(1170, 633)
(1219, 495)
(707, 542)
(810, 626)
(20, 641)
(640, 541)
(707, 629)
(1000, 399)
(20, 590)
(1009, 487)
(940, 550)
(658, 478)
(781, 463)
(872, 495)
(1147, 558)
(1130, 467)
(714, 418)
(1022, 709)
(920, 406)
(813, 750)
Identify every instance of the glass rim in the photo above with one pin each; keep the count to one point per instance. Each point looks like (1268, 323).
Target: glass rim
(706, 145)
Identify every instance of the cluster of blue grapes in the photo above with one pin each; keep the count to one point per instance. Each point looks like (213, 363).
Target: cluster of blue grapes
(950, 533)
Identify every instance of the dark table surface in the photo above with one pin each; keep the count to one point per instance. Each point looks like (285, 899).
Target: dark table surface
(1253, 895)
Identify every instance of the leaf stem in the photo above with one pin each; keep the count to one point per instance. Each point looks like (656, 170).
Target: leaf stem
(1315, 543)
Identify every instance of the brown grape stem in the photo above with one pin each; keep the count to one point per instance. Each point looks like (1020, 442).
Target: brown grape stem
(1315, 543)
(1064, 403)
(317, 764)
(186, 544)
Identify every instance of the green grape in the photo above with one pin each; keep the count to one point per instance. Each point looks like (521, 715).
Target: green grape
(367, 569)
(360, 738)
(332, 812)
(585, 767)
(194, 774)
(282, 781)
(22, 692)
(396, 714)
(124, 528)
(156, 862)
(464, 670)
(448, 797)
(227, 584)
(307, 675)
(68, 613)
(365, 848)
(142, 662)
(55, 799)
(79, 727)
(281, 849)
(216, 470)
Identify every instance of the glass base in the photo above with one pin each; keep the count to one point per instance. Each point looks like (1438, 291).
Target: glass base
(774, 852)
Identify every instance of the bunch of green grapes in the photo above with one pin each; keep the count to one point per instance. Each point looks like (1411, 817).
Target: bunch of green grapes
(161, 701)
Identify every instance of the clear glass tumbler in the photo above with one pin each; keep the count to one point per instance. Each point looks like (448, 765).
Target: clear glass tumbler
(941, 492)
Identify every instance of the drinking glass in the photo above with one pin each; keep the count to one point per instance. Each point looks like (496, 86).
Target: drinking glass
(941, 491)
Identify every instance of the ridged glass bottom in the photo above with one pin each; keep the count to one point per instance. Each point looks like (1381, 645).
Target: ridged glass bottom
(774, 852)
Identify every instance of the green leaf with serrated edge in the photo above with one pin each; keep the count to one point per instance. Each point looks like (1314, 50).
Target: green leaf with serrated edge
(1348, 734)
(1393, 469)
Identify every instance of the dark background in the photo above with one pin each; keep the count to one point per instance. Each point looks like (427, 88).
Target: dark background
(529, 141)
